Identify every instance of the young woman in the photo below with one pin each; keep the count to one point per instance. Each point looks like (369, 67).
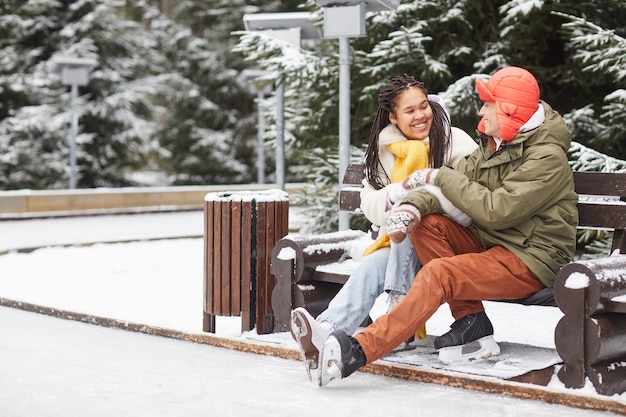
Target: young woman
(411, 131)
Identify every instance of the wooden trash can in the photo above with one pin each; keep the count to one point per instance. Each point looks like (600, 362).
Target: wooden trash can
(240, 230)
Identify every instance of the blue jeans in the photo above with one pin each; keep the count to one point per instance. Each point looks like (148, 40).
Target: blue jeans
(387, 269)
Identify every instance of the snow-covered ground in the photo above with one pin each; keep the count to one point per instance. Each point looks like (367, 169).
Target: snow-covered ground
(54, 367)
(38, 232)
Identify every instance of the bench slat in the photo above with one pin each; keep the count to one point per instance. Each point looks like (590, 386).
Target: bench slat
(335, 278)
(350, 200)
(602, 215)
(589, 183)
(600, 183)
(354, 174)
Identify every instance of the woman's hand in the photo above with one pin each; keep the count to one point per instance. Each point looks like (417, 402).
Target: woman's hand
(402, 221)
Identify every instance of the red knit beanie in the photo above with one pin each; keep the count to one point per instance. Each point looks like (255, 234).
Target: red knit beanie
(516, 94)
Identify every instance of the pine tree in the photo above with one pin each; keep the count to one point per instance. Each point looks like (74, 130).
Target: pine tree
(164, 97)
(167, 95)
(30, 125)
(599, 54)
(112, 126)
(448, 44)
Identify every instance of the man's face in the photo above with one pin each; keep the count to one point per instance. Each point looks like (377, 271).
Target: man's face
(490, 119)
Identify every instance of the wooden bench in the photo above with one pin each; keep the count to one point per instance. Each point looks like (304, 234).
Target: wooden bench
(303, 265)
(590, 337)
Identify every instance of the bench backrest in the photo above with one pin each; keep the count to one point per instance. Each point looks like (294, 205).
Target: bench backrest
(610, 215)
(591, 214)
(350, 194)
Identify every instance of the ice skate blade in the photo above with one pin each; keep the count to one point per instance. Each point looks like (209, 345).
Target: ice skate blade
(330, 360)
(409, 344)
(454, 354)
(300, 331)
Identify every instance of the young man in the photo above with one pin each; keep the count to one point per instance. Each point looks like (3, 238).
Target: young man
(518, 189)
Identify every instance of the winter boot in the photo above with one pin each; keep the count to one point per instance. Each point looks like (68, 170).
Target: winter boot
(474, 327)
(310, 336)
(340, 357)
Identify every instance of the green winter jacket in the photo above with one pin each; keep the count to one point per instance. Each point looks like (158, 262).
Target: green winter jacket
(520, 197)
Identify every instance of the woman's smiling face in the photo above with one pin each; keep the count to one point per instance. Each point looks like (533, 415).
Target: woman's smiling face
(413, 114)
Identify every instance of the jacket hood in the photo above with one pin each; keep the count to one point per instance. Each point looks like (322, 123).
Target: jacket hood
(557, 132)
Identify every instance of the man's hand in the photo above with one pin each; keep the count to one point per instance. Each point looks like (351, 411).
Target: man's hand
(419, 178)
(401, 221)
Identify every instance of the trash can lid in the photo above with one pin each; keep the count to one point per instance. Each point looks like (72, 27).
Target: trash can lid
(264, 195)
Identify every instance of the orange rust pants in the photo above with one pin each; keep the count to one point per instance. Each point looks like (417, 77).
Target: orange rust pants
(456, 270)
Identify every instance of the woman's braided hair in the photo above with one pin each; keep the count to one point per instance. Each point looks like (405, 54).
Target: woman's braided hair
(439, 136)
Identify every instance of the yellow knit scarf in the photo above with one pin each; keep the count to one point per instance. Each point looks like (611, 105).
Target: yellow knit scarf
(411, 155)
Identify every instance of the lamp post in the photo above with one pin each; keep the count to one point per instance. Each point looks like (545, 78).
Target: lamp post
(75, 72)
(251, 76)
(345, 20)
(291, 28)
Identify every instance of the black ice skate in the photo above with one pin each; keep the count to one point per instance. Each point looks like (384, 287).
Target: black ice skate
(340, 357)
(471, 328)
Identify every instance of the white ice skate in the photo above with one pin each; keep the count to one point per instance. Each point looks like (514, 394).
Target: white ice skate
(310, 336)
(341, 356)
(330, 362)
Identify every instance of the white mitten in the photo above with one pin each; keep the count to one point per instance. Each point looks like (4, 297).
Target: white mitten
(402, 221)
(450, 209)
(396, 192)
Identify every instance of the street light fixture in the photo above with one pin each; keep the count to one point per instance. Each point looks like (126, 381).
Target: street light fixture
(75, 72)
(372, 5)
(291, 28)
(279, 25)
(344, 20)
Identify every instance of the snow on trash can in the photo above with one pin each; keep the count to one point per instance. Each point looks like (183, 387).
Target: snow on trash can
(240, 230)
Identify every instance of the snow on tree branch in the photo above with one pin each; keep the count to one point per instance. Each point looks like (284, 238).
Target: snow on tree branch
(598, 49)
(583, 158)
(515, 7)
(277, 56)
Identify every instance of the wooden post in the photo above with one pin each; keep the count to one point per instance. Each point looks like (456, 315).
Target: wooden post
(591, 335)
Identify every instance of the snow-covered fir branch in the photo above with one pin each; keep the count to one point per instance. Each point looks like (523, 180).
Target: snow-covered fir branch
(513, 8)
(280, 58)
(597, 48)
(583, 158)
